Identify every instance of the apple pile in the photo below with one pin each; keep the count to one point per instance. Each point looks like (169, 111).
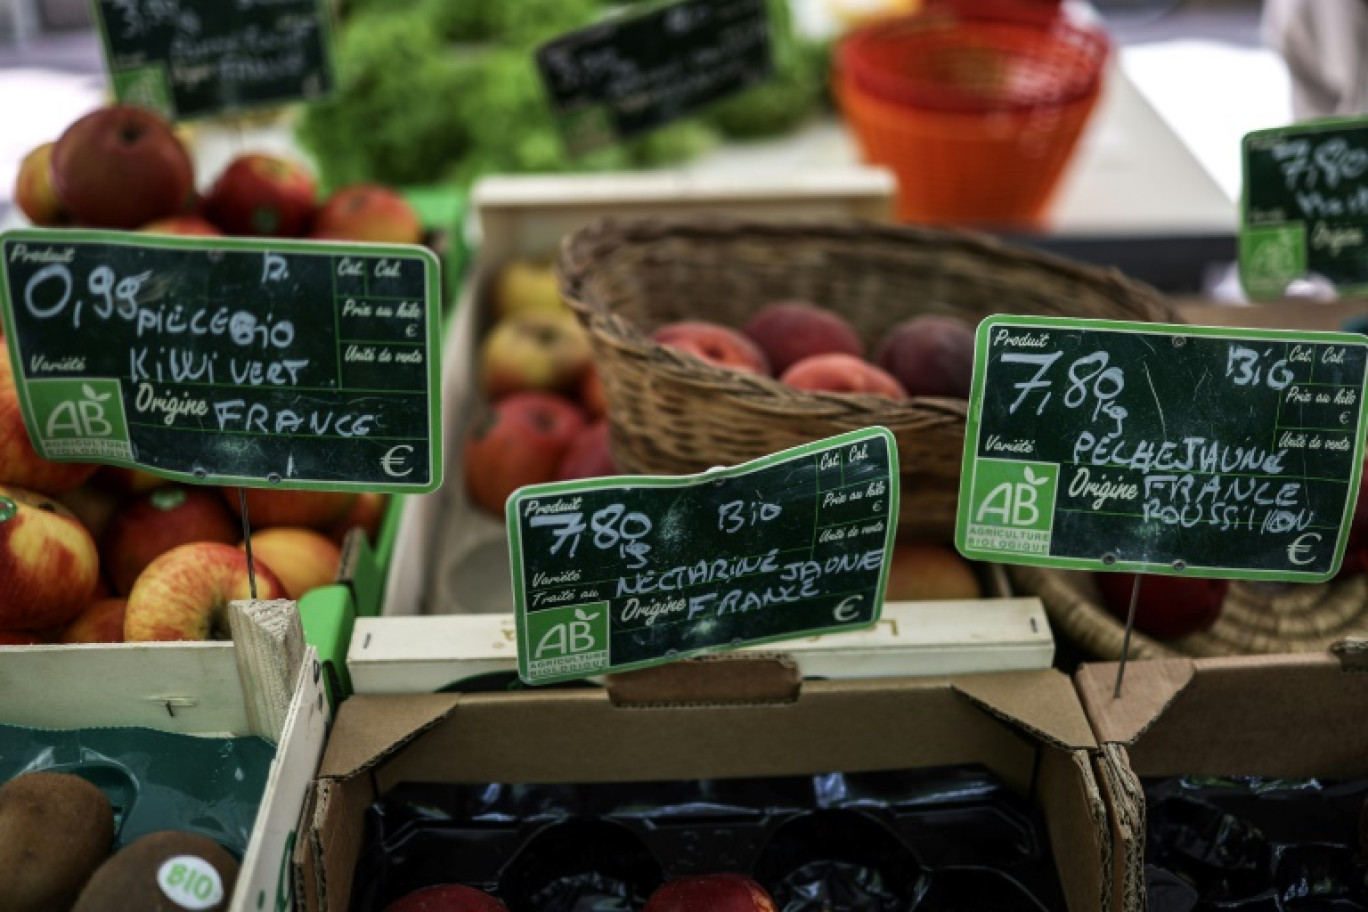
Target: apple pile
(816, 349)
(103, 554)
(123, 167)
(542, 414)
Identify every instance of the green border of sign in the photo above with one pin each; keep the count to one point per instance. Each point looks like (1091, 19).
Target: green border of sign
(327, 31)
(970, 461)
(432, 305)
(1252, 237)
(512, 511)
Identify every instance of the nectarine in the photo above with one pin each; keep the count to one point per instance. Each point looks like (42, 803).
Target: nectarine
(841, 373)
(589, 454)
(790, 331)
(930, 355)
(715, 343)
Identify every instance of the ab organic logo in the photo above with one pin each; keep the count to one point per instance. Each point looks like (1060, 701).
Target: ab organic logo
(80, 418)
(1012, 506)
(569, 640)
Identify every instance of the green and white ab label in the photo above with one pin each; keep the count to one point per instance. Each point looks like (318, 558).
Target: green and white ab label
(1012, 506)
(568, 640)
(79, 419)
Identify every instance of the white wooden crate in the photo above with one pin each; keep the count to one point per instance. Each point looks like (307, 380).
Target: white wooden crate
(265, 682)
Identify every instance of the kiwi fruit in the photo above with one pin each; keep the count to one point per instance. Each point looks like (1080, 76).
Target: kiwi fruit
(163, 871)
(55, 830)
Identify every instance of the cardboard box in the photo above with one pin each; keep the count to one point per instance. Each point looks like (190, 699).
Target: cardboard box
(1026, 726)
(265, 682)
(1292, 716)
(447, 603)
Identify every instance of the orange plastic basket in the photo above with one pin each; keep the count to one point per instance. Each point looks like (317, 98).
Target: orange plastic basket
(975, 106)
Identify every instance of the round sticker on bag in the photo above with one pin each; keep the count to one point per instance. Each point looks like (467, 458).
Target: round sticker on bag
(190, 882)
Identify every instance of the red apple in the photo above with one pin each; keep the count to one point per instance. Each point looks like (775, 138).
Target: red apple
(158, 521)
(591, 393)
(1168, 606)
(191, 225)
(447, 898)
(789, 331)
(518, 440)
(102, 621)
(714, 343)
(93, 504)
(121, 166)
(930, 355)
(20, 464)
(33, 191)
(367, 212)
(302, 559)
(125, 482)
(262, 195)
(367, 513)
(268, 507)
(921, 570)
(589, 454)
(535, 350)
(184, 593)
(49, 565)
(721, 892)
(839, 373)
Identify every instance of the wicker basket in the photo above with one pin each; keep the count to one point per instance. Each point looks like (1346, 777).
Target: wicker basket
(1255, 618)
(673, 414)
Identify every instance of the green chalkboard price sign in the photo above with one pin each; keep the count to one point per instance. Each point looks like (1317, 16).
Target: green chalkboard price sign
(294, 364)
(1305, 207)
(1180, 450)
(618, 573)
(632, 73)
(188, 59)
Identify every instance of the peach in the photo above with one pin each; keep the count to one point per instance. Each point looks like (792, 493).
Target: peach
(302, 559)
(534, 351)
(184, 593)
(715, 343)
(589, 454)
(20, 464)
(158, 521)
(841, 373)
(930, 355)
(922, 571)
(102, 621)
(268, 507)
(518, 440)
(367, 212)
(789, 331)
(49, 565)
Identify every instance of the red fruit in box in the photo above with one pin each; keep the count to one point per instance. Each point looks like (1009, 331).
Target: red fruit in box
(33, 190)
(447, 898)
(788, 332)
(367, 212)
(268, 507)
(589, 454)
(121, 166)
(721, 892)
(1168, 606)
(518, 440)
(49, 565)
(262, 195)
(714, 343)
(191, 225)
(158, 521)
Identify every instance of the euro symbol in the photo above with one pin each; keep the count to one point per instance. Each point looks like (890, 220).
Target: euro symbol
(1300, 546)
(847, 610)
(1344, 417)
(394, 459)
